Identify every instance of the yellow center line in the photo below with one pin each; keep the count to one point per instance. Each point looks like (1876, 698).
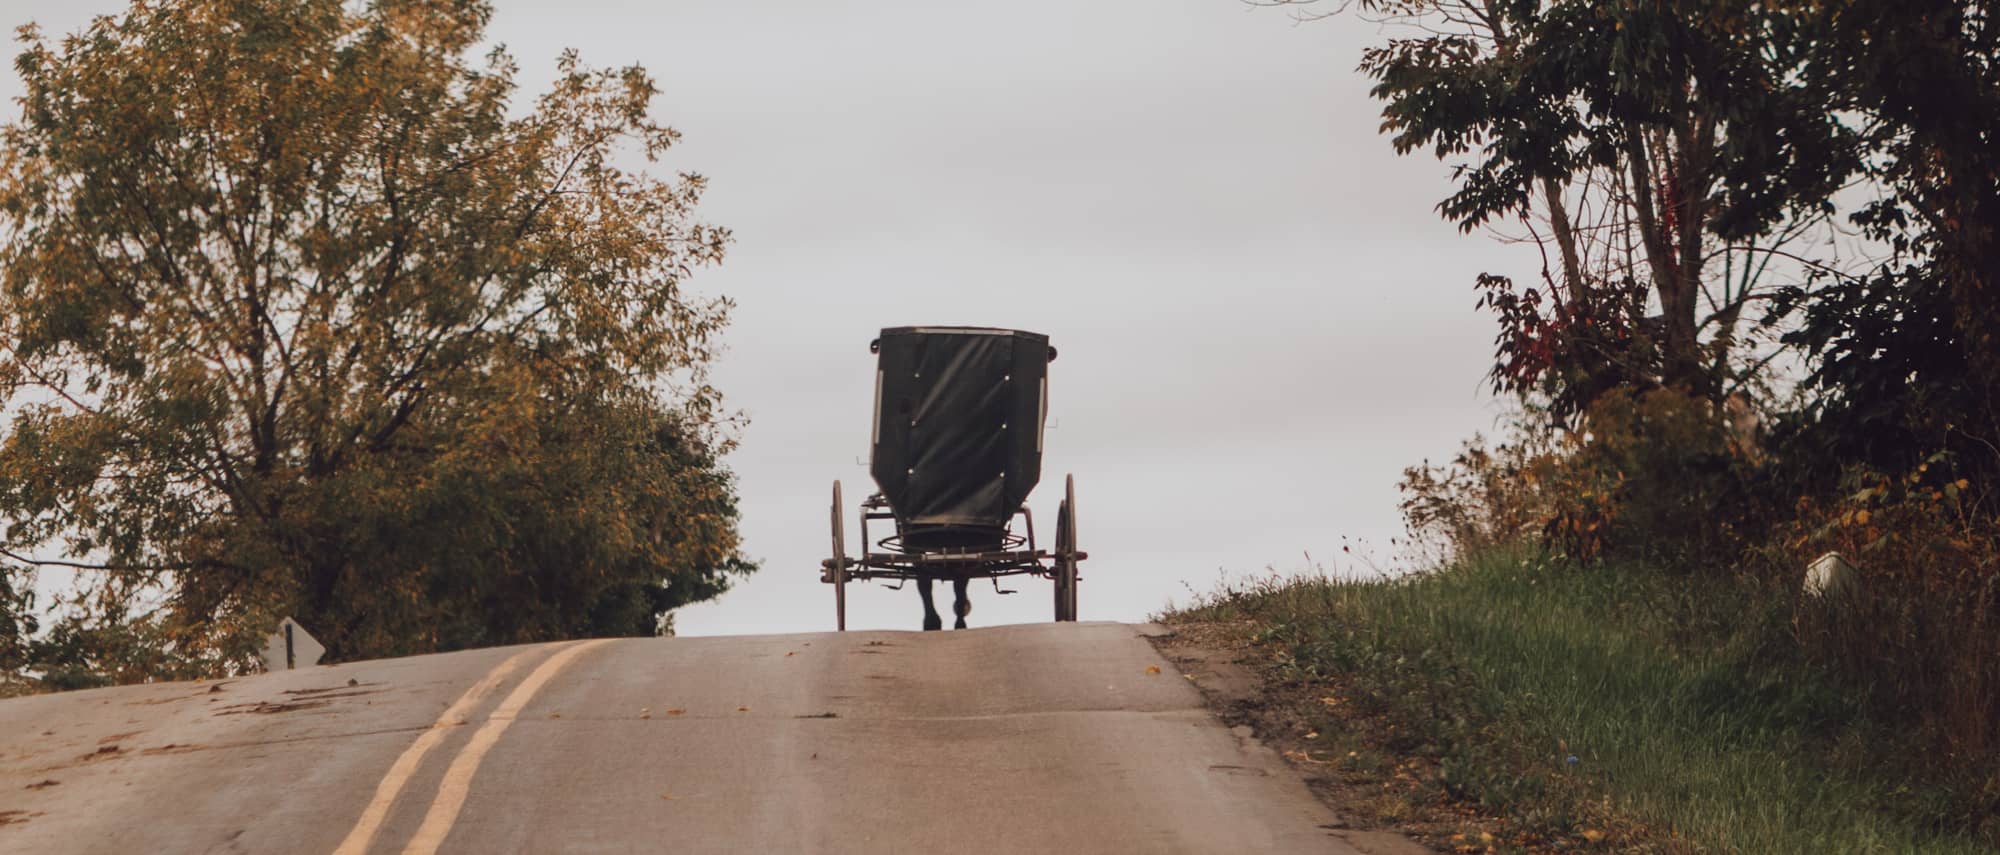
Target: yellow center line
(406, 765)
(458, 779)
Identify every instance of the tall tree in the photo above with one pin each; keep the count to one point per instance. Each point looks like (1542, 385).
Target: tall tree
(304, 314)
(1909, 356)
(1668, 148)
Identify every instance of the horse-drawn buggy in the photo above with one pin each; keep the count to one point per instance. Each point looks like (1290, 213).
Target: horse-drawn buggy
(955, 451)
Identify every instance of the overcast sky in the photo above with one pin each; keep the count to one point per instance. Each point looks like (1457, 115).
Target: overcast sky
(1261, 319)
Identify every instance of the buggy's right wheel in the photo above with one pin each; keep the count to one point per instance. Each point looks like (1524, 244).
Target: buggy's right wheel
(1066, 553)
(837, 571)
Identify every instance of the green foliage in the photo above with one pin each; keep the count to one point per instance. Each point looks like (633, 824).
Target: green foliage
(1728, 129)
(1652, 483)
(1652, 138)
(1614, 697)
(17, 620)
(1904, 357)
(1923, 628)
(302, 314)
(1549, 90)
(1891, 376)
(1926, 76)
(1655, 476)
(88, 651)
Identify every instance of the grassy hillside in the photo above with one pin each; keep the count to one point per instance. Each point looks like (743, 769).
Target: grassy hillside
(1606, 707)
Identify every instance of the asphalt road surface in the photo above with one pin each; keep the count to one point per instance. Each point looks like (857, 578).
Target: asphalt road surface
(1065, 738)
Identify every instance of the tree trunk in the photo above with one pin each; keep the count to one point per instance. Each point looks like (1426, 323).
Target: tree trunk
(1565, 234)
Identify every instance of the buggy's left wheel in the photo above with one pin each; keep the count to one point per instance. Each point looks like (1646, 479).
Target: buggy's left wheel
(837, 571)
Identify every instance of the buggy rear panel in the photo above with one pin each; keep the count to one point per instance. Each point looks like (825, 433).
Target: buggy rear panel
(957, 443)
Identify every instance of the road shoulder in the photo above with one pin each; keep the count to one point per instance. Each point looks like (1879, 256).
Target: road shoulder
(1221, 663)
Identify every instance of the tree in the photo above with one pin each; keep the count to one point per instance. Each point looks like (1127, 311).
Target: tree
(1908, 356)
(1669, 150)
(301, 315)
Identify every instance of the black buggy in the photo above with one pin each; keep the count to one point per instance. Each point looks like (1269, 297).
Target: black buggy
(956, 448)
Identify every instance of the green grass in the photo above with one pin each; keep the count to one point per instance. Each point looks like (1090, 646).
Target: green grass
(1687, 715)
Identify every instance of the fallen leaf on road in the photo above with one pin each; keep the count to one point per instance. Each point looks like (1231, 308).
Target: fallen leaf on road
(676, 712)
(742, 709)
(43, 784)
(555, 715)
(791, 653)
(1152, 669)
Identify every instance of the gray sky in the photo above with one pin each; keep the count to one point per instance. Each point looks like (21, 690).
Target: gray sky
(1261, 320)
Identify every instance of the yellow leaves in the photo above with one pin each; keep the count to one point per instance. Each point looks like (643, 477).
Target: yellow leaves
(1463, 842)
(1593, 835)
(430, 339)
(1152, 670)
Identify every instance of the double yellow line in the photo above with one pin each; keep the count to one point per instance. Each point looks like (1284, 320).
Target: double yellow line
(457, 781)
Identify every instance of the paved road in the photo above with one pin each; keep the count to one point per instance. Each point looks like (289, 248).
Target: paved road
(1053, 738)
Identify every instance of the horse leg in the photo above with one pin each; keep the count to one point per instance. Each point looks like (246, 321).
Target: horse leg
(960, 604)
(931, 619)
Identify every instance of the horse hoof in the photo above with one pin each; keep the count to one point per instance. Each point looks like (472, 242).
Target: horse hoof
(959, 625)
(933, 622)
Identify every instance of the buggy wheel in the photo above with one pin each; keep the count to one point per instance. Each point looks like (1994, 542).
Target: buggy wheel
(1066, 553)
(837, 568)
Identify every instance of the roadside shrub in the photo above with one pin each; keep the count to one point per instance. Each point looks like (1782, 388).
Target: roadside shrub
(17, 626)
(1485, 498)
(1654, 476)
(1657, 477)
(1921, 633)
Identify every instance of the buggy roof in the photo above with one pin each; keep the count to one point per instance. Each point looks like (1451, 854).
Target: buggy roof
(954, 330)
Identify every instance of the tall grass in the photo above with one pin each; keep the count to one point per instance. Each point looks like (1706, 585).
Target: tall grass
(1541, 687)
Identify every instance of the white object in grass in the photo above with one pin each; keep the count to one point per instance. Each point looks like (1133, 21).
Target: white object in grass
(1831, 574)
